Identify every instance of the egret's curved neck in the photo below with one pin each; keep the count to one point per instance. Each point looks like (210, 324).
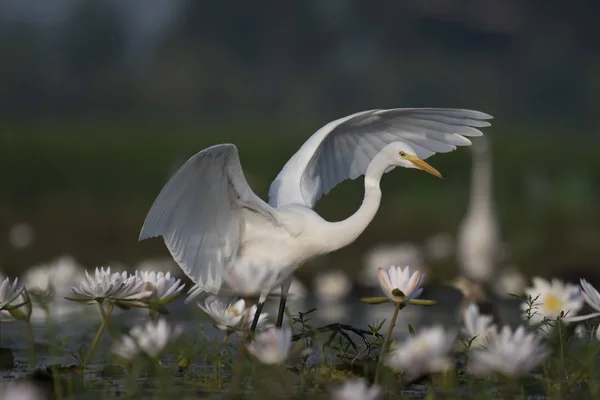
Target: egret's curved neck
(346, 231)
(481, 182)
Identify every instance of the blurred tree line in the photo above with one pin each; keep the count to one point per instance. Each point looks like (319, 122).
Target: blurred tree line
(527, 60)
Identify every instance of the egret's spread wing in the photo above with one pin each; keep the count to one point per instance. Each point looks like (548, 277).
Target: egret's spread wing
(344, 148)
(199, 214)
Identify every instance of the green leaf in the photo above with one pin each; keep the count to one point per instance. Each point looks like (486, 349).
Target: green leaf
(422, 302)
(398, 292)
(411, 331)
(375, 300)
(122, 305)
(85, 301)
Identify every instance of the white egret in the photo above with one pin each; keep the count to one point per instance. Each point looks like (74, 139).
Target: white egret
(210, 218)
(478, 247)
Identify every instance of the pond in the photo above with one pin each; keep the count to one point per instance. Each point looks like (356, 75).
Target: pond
(58, 343)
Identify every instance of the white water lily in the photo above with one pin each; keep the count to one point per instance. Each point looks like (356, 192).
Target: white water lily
(9, 292)
(98, 286)
(477, 327)
(400, 278)
(247, 279)
(427, 351)
(21, 308)
(104, 285)
(14, 300)
(592, 298)
(271, 346)
(228, 316)
(510, 354)
(553, 299)
(163, 286)
(590, 295)
(150, 339)
(356, 389)
(133, 290)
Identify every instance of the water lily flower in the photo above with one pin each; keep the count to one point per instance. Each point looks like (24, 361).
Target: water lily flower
(14, 300)
(21, 308)
(553, 299)
(104, 285)
(9, 292)
(427, 351)
(100, 286)
(150, 339)
(510, 354)
(477, 327)
(164, 287)
(399, 284)
(271, 346)
(133, 290)
(356, 389)
(592, 298)
(228, 316)
(247, 279)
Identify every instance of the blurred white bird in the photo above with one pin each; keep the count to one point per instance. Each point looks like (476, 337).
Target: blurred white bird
(478, 247)
(508, 282)
(439, 246)
(209, 217)
(50, 283)
(332, 286)
(21, 235)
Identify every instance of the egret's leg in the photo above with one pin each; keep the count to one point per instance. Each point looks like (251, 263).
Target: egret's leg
(285, 288)
(259, 308)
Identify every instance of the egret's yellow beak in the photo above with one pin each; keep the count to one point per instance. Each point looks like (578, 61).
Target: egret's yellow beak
(422, 165)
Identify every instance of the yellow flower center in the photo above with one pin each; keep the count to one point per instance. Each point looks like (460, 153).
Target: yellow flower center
(233, 311)
(553, 303)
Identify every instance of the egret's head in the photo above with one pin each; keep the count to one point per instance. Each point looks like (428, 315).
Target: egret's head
(403, 155)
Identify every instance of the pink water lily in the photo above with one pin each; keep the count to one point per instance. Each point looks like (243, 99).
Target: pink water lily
(401, 279)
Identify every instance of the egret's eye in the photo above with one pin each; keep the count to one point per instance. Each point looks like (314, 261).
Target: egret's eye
(402, 154)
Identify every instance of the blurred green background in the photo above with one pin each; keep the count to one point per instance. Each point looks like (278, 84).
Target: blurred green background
(101, 101)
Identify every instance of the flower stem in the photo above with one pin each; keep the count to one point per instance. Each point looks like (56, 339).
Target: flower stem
(31, 342)
(105, 318)
(386, 341)
(223, 341)
(562, 350)
(98, 334)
